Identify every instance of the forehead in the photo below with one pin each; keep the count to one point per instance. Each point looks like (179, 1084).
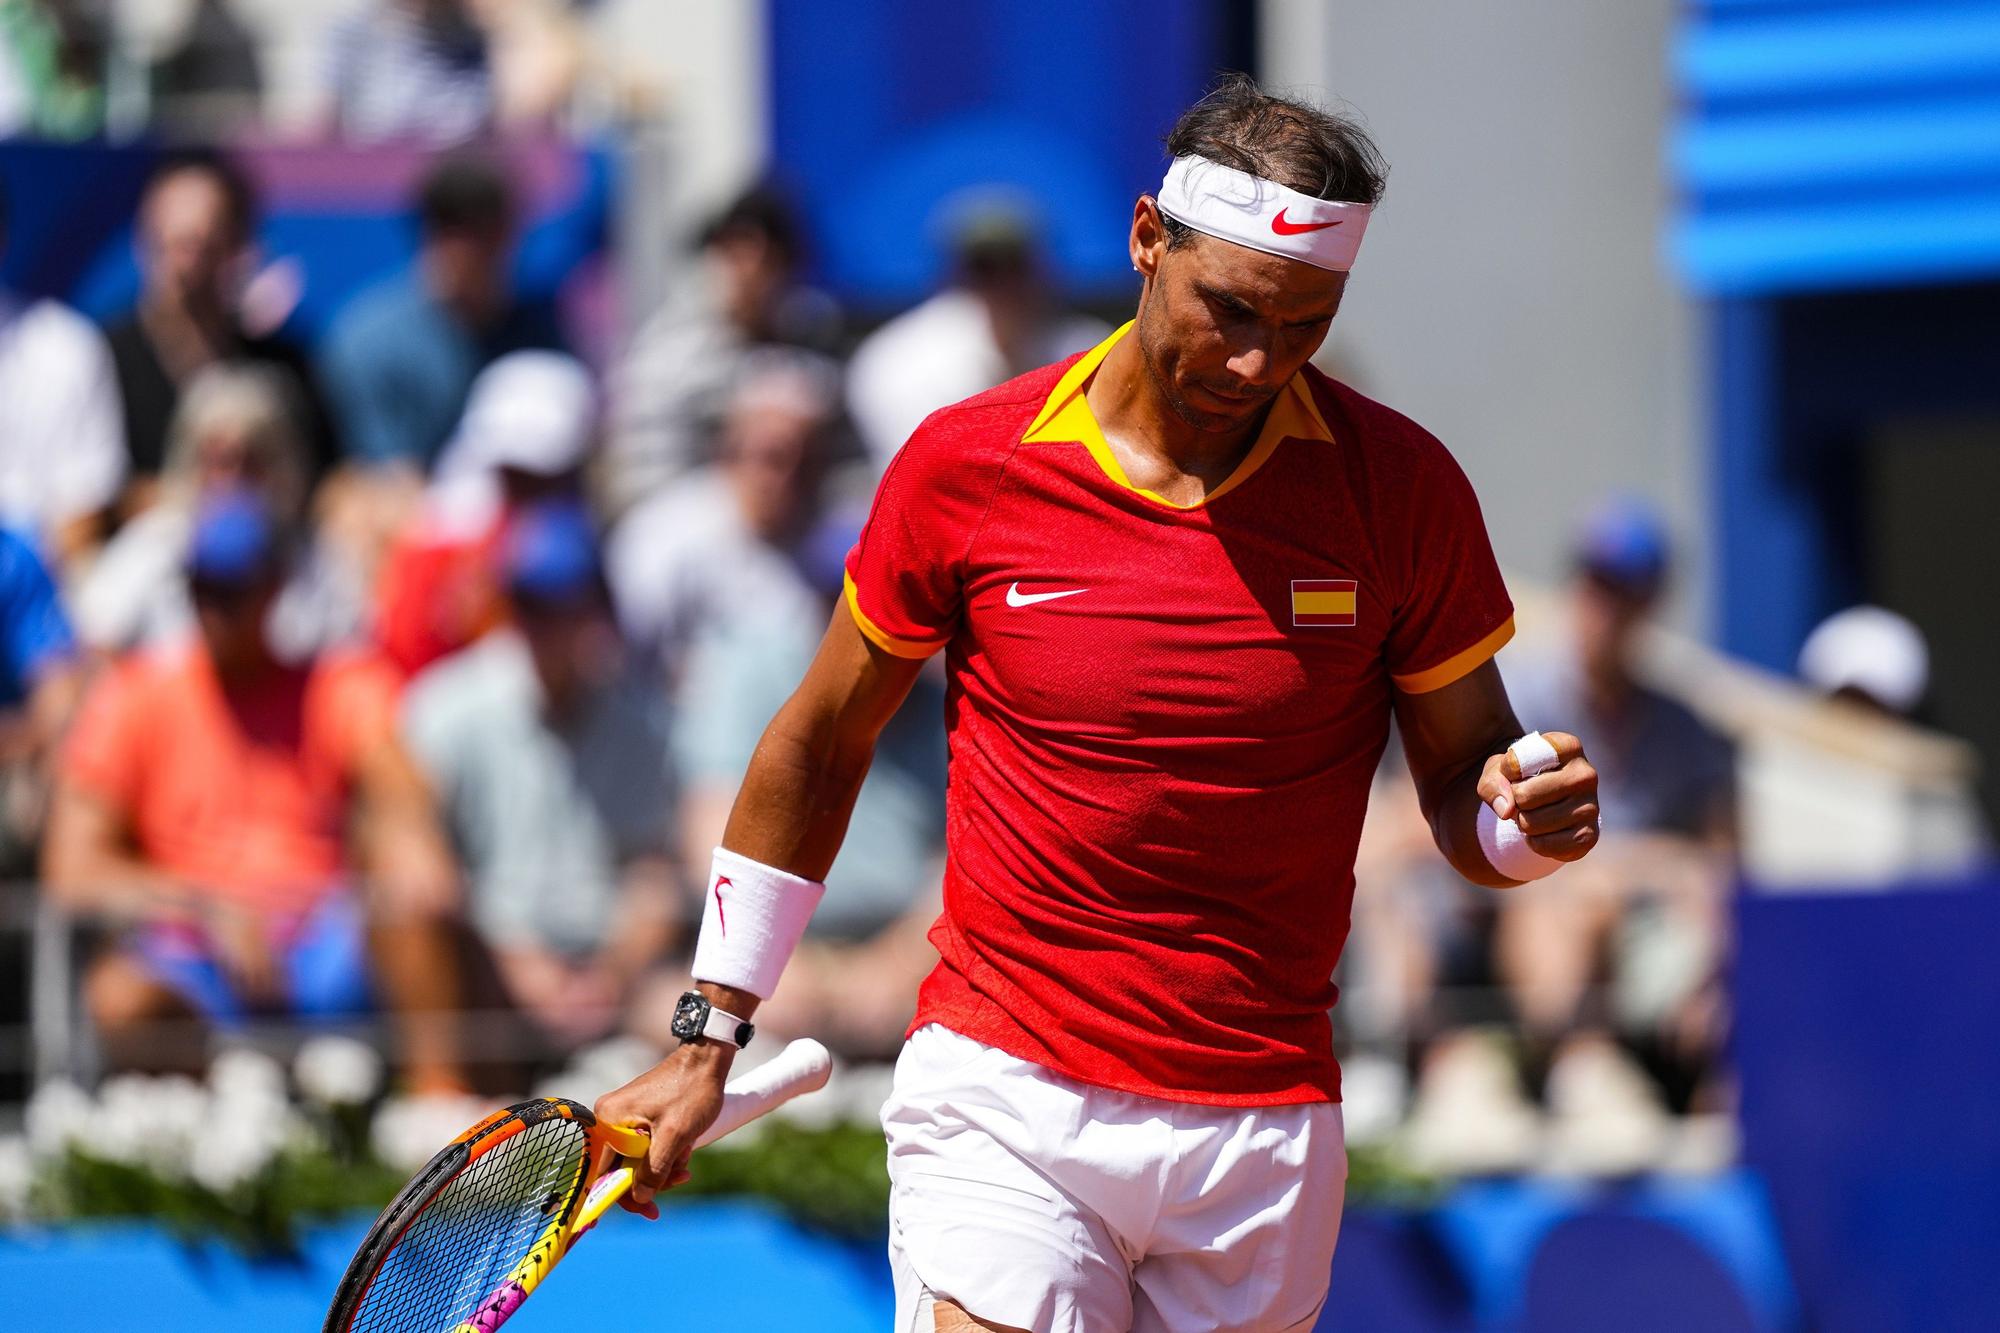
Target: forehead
(1285, 289)
(187, 193)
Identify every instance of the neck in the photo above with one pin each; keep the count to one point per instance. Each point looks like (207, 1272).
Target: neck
(1137, 418)
(180, 318)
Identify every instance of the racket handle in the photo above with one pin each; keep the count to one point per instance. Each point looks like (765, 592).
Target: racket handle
(801, 1067)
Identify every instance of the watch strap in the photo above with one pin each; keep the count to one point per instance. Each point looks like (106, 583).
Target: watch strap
(727, 1027)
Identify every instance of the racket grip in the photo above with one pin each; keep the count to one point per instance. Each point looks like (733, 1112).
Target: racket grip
(801, 1067)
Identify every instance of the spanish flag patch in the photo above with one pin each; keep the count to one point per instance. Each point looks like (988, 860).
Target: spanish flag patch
(1323, 601)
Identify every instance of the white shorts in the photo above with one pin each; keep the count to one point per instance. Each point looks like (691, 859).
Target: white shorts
(1037, 1202)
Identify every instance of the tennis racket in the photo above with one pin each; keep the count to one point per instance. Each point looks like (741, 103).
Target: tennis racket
(478, 1229)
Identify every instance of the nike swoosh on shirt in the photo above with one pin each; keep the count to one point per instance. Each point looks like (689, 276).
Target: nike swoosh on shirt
(1015, 597)
(1284, 227)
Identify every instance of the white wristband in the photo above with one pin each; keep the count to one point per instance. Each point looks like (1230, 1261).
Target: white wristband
(752, 919)
(1501, 840)
(1507, 849)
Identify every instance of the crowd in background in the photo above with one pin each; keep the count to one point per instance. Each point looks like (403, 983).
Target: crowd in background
(412, 673)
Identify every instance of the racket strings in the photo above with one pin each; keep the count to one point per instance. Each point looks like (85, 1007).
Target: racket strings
(474, 1231)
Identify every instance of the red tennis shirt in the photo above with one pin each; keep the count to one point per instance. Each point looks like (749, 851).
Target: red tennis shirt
(1164, 719)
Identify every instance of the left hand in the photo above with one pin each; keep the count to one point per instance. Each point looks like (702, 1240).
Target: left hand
(1558, 809)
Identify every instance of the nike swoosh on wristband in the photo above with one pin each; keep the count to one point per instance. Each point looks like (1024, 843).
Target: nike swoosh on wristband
(1015, 597)
(1282, 227)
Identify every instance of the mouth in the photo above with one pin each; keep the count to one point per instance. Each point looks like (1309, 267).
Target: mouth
(1231, 402)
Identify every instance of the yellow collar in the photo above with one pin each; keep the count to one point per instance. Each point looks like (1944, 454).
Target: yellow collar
(1066, 417)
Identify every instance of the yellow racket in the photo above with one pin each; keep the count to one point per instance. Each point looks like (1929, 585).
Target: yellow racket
(478, 1229)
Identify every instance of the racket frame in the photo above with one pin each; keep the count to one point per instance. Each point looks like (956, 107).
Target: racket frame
(452, 1161)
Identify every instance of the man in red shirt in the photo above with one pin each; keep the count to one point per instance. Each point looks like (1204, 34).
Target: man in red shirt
(1182, 583)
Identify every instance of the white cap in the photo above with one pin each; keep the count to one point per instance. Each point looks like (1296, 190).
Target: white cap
(1868, 649)
(531, 411)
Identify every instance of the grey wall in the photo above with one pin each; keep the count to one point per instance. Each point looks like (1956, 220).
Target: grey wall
(1510, 295)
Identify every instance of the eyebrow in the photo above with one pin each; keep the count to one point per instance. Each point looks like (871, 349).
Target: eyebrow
(1228, 298)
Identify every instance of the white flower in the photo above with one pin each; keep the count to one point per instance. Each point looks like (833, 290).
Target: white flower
(123, 1130)
(338, 1071)
(17, 1173)
(244, 1134)
(240, 1072)
(235, 1152)
(408, 1131)
(59, 1116)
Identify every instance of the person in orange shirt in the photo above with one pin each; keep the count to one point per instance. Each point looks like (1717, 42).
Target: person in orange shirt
(231, 801)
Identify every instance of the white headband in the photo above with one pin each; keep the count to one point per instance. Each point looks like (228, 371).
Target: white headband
(1263, 215)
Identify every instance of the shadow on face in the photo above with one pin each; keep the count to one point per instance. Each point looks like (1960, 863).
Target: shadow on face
(1223, 327)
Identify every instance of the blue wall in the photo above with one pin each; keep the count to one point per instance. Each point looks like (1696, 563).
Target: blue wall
(884, 112)
(1868, 1042)
(1652, 1258)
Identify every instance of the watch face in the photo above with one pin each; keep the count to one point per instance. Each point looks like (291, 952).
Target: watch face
(689, 1015)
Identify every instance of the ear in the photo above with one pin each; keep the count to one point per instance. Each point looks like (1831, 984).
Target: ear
(1148, 242)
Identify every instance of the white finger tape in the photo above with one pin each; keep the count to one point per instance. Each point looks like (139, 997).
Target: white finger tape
(1534, 754)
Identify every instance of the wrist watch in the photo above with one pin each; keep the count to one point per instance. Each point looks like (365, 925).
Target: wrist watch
(695, 1017)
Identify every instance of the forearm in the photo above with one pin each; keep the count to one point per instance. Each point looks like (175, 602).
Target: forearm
(792, 810)
(1453, 809)
(84, 873)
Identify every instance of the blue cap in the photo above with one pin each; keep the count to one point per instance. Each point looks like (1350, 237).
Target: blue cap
(236, 540)
(1624, 543)
(551, 553)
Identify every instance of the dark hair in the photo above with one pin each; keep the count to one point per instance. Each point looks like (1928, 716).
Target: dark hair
(235, 186)
(762, 212)
(1293, 143)
(464, 192)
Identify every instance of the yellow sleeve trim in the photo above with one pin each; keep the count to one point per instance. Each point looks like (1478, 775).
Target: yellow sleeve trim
(1458, 664)
(880, 637)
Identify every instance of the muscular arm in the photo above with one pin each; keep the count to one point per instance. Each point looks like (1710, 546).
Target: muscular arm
(791, 812)
(1456, 740)
(792, 809)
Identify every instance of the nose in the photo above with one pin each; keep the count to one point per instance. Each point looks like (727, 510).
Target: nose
(1251, 364)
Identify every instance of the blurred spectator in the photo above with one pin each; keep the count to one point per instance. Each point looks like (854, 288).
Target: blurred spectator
(1856, 791)
(230, 800)
(549, 755)
(400, 359)
(527, 433)
(1868, 656)
(444, 71)
(743, 540)
(998, 319)
(61, 456)
(729, 574)
(38, 688)
(202, 66)
(669, 393)
(415, 69)
(51, 55)
(237, 427)
(197, 220)
(1647, 911)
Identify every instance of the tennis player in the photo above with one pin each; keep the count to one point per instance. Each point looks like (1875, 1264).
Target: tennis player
(1182, 582)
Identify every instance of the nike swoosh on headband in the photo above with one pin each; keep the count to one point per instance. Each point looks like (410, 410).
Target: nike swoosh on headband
(1284, 227)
